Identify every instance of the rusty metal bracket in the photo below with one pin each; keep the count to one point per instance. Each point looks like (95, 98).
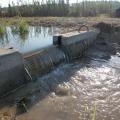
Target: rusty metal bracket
(85, 26)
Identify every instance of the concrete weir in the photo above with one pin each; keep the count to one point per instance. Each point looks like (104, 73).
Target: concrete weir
(43, 61)
(15, 71)
(12, 74)
(74, 43)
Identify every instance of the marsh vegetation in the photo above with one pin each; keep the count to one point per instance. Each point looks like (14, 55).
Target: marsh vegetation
(2, 30)
(21, 27)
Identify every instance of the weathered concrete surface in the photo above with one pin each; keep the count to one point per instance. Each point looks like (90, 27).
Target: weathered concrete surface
(12, 73)
(70, 46)
(74, 37)
(43, 61)
(12, 70)
(74, 43)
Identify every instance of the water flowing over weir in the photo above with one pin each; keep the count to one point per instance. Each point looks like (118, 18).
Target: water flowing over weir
(43, 61)
(66, 47)
(83, 89)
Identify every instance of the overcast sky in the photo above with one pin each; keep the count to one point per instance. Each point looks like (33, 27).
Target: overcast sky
(4, 3)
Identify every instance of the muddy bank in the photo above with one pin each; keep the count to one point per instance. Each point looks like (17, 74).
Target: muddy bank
(73, 91)
(65, 23)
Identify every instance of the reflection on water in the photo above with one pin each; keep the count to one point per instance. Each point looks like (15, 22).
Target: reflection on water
(37, 38)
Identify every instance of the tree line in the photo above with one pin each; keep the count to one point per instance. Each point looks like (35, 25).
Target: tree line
(61, 8)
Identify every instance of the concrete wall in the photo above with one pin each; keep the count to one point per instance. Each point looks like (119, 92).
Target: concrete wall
(70, 46)
(43, 61)
(12, 67)
(12, 73)
(74, 43)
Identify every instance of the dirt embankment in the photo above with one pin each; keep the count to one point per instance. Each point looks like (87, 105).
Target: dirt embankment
(64, 23)
(108, 41)
(61, 21)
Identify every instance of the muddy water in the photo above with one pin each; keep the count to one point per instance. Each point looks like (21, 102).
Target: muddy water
(77, 91)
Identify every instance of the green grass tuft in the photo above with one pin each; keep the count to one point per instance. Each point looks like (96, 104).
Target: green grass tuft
(2, 30)
(20, 28)
(94, 112)
(23, 27)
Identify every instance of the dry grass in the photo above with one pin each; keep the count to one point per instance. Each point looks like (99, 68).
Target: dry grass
(60, 21)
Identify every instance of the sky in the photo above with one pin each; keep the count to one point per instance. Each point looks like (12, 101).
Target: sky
(5, 3)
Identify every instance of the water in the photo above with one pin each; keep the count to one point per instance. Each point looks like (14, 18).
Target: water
(90, 84)
(72, 92)
(38, 37)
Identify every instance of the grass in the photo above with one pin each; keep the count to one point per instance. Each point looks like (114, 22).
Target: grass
(94, 112)
(58, 21)
(20, 28)
(2, 31)
(23, 27)
(43, 20)
(90, 113)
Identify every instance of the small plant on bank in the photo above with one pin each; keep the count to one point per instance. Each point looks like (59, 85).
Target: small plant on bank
(2, 31)
(23, 27)
(90, 113)
(94, 112)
